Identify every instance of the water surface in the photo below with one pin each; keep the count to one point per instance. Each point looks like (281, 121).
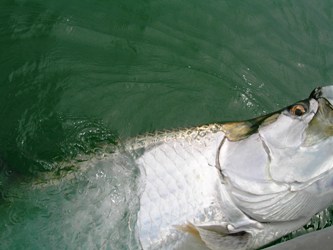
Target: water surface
(76, 75)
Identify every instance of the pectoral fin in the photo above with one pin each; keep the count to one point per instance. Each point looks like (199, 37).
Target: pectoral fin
(217, 236)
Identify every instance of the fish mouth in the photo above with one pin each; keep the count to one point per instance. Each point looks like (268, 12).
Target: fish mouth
(321, 126)
(323, 92)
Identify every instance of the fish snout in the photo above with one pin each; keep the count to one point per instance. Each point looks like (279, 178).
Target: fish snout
(323, 92)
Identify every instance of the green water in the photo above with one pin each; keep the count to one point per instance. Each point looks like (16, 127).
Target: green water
(78, 74)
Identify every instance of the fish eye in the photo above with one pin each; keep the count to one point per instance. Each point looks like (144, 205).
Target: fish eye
(298, 110)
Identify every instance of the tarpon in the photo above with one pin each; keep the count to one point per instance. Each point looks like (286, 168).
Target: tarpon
(235, 185)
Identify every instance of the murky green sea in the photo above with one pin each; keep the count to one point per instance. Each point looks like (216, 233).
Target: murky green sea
(75, 75)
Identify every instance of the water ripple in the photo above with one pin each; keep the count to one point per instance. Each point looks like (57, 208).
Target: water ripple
(75, 76)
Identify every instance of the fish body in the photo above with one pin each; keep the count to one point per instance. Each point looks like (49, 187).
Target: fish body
(175, 170)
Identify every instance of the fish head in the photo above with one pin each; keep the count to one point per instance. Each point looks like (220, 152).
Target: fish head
(299, 142)
(279, 167)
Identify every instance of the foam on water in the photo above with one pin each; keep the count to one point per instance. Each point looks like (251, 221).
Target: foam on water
(92, 208)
